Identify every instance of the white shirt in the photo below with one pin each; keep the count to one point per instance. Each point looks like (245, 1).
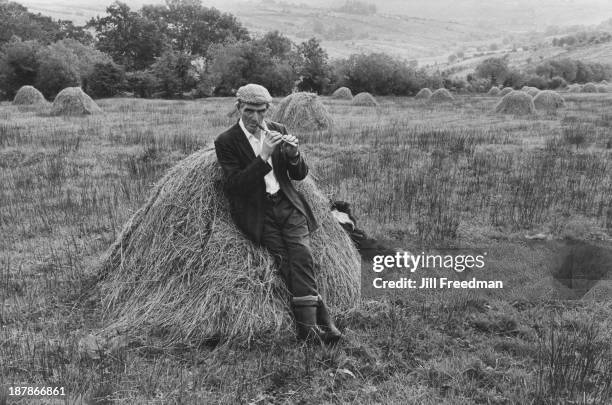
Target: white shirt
(272, 185)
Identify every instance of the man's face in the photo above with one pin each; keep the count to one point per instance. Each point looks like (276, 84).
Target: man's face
(252, 114)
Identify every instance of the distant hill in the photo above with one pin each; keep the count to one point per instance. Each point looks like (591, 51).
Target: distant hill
(427, 32)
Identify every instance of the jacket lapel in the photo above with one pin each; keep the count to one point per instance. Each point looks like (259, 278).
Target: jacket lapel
(242, 142)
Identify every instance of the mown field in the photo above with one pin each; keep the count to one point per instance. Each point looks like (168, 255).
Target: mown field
(420, 175)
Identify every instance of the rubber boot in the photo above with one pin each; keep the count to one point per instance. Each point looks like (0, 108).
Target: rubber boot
(305, 311)
(326, 323)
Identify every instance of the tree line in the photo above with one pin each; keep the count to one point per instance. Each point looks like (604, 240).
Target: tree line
(183, 49)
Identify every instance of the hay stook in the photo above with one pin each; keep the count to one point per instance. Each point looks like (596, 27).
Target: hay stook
(303, 111)
(517, 103)
(182, 267)
(364, 99)
(29, 96)
(74, 101)
(342, 93)
(423, 94)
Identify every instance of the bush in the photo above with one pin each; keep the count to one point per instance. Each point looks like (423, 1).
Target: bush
(174, 73)
(18, 65)
(58, 69)
(537, 81)
(106, 80)
(142, 83)
(557, 82)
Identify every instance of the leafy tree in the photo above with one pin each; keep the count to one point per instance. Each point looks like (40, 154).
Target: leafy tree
(143, 83)
(105, 80)
(18, 65)
(58, 69)
(174, 73)
(236, 64)
(315, 70)
(131, 40)
(15, 19)
(192, 28)
(279, 45)
(494, 69)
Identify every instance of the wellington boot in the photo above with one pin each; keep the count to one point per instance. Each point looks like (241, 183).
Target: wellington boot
(326, 323)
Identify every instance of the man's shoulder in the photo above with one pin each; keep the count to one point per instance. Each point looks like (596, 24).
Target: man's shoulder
(228, 134)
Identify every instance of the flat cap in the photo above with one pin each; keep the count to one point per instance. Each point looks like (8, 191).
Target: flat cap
(253, 94)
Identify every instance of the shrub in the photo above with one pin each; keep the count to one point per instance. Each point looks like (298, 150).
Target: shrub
(557, 82)
(18, 65)
(56, 72)
(106, 80)
(142, 83)
(517, 103)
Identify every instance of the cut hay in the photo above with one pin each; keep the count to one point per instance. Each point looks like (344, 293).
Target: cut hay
(548, 100)
(343, 93)
(589, 88)
(493, 91)
(181, 268)
(74, 101)
(604, 82)
(574, 88)
(603, 89)
(533, 92)
(302, 111)
(602, 291)
(423, 94)
(506, 90)
(28, 95)
(364, 100)
(441, 95)
(517, 103)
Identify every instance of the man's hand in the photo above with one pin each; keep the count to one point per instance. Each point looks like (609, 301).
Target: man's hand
(290, 145)
(270, 140)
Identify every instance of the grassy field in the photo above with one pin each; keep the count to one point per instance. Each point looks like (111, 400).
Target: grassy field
(423, 176)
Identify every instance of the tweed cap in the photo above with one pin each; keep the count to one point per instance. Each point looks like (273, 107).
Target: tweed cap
(253, 94)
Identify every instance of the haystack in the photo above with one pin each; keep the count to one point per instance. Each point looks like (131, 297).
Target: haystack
(364, 100)
(517, 103)
(493, 91)
(533, 92)
(602, 291)
(574, 88)
(603, 89)
(506, 90)
(343, 93)
(548, 100)
(441, 95)
(74, 101)
(181, 269)
(28, 95)
(423, 94)
(589, 88)
(604, 82)
(302, 111)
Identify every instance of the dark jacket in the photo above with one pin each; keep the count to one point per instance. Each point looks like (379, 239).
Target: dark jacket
(244, 180)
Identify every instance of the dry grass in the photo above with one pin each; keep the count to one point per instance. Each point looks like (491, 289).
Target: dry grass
(494, 91)
(506, 90)
(74, 101)
(423, 94)
(343, 93)
(420, 174)
(548, 100)
(517, 103)
(28, 95)
(589, 88)
(441, 96)
(364, 100)
(204, 279)
(303, 111)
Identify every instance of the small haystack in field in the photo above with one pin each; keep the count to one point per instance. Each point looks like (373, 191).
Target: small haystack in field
(181, 269)
(589, 88)
(423, 94)
(601, 291)
(494, 91)
(74, 101)
(441, 95)
(364, 99)
(28, 95)
(302, 111)
(517, 103)
(574, 88)
(603, 89)
(604, 82)
(548, 100)
(533, 92)
(343, 93)
(506, 90)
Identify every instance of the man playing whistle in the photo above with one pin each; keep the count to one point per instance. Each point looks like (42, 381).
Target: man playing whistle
(259, 160)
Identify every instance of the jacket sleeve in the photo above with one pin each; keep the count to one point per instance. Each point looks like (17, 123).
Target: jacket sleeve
(237, 180)
(297, 170)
